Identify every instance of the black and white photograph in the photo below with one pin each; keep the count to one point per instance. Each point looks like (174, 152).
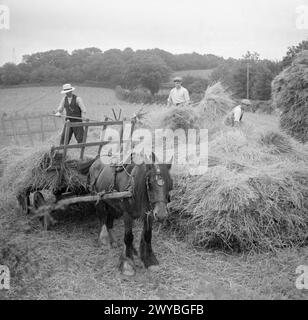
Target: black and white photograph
(154, 151)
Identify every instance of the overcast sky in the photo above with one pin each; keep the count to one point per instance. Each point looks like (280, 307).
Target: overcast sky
(222, 27)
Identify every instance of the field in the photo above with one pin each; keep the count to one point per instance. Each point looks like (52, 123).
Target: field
(67, 263)
(46, 99)
(203, 73)
(35, 100)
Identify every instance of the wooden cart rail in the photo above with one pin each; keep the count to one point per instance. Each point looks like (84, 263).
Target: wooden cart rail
(84, 144)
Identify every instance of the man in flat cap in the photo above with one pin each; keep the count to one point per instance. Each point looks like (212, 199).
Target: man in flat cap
(179, 95)
(75, 111)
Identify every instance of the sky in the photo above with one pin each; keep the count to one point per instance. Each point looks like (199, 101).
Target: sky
(221, 27)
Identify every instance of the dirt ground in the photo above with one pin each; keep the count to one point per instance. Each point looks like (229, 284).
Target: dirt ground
(67, 263)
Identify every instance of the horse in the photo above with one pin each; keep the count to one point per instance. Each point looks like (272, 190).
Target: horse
(150, 184)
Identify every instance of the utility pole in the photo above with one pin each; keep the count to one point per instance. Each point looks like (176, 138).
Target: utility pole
(248, 75)
(13, 55)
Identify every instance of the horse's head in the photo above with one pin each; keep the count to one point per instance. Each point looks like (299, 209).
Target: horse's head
(158, 184)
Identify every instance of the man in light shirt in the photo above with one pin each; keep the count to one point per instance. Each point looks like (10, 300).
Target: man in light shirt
(75, 111)
(179, 95)
(238, 112)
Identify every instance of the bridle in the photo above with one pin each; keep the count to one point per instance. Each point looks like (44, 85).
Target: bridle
(160, 182)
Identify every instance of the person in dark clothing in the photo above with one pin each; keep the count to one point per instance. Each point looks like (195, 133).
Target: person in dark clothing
(74, 108)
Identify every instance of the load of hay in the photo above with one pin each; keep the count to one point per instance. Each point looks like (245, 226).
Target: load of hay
(290, 95)
(40, 170)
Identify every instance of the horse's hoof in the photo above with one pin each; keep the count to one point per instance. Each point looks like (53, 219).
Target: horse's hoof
(127, 269)
(153, 268)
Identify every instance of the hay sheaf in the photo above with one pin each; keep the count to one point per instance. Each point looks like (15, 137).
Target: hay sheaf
(216, 104)
(180, 118)
(247, 210)
(276, 142)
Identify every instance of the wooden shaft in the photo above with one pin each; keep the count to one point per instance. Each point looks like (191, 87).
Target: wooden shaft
(62, 204)
(42, 128)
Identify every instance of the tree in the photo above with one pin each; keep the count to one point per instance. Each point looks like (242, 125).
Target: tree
(79, 57)
(56, 58)
(293, 51)
(11, 74)
(147, 70)
(261, 86)
(195, 84)
(48, 74)
(233, 74)
(127, 54)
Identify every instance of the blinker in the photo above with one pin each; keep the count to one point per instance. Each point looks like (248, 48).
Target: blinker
(160, 181)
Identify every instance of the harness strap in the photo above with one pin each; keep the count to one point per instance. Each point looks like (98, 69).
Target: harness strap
(92, 186)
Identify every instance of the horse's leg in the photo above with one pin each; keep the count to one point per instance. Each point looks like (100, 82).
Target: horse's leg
(103, 238)
(127, 266)
(146, 252)
(109, 224)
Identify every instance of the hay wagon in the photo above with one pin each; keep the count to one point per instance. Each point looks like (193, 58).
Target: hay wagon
(56, 166)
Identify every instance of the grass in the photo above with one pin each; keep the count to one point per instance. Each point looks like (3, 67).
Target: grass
(46, 99)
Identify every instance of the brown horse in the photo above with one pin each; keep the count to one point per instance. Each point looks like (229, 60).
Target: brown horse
(150, 185)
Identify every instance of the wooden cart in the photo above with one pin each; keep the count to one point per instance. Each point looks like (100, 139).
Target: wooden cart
(70, 198)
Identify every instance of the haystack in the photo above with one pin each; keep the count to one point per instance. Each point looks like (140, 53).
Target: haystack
(259, 209)
(254, 196)
(290, 95)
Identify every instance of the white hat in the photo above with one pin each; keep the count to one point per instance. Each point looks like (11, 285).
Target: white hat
(67, 88)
